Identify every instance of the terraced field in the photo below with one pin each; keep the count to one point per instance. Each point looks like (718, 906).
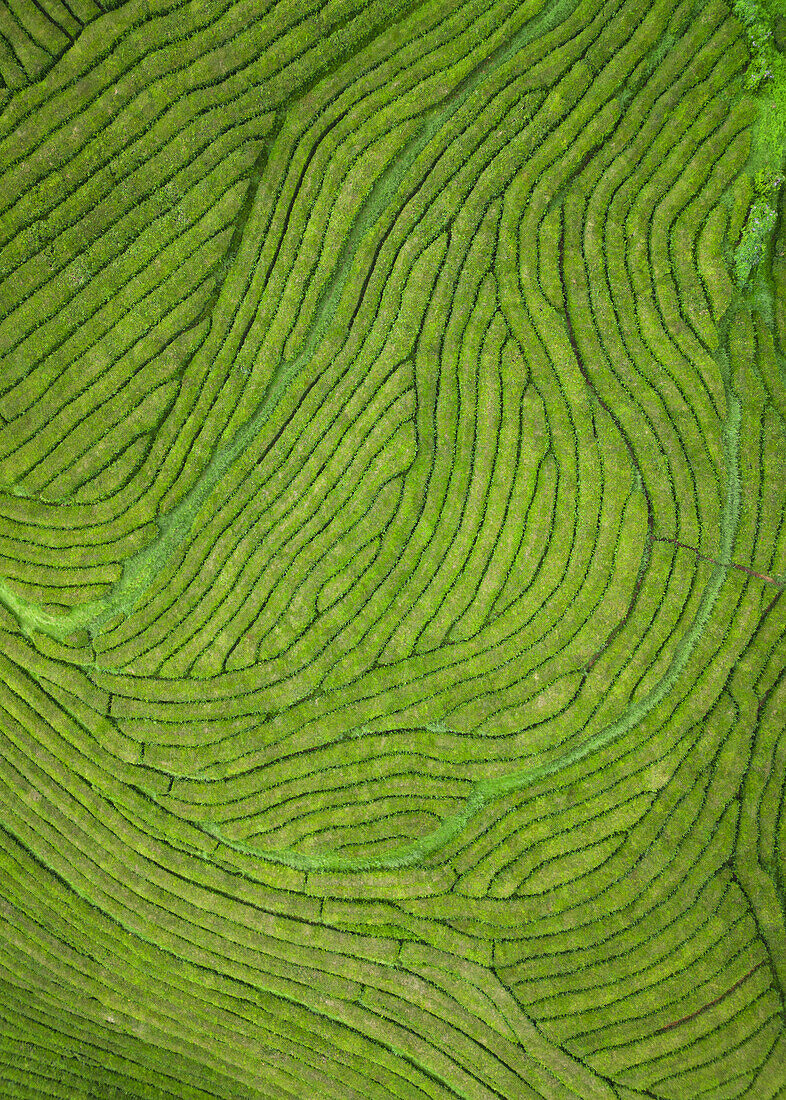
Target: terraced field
(392, 550)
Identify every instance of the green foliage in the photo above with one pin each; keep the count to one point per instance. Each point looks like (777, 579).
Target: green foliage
(761, 40)
(755, 237)
(766, 76)
(392, 551)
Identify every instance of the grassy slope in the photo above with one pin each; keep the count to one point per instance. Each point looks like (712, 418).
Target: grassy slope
(393, 546)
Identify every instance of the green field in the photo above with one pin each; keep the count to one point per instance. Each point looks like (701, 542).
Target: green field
(393, 549)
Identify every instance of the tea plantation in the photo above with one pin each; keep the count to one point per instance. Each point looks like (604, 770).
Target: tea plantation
(392, 549)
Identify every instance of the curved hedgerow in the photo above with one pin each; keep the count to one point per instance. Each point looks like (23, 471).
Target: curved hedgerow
(392, 550)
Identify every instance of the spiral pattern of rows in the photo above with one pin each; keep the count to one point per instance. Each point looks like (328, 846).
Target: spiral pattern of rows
(392, 553)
